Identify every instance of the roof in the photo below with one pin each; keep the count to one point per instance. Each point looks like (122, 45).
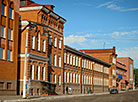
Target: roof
(66, 47)
(30, 3)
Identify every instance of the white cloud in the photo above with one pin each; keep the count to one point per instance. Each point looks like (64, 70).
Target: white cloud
(104, 4)
(113, 6)
(130, 52)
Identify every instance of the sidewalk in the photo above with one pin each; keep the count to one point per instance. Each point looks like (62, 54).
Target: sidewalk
(33, 98)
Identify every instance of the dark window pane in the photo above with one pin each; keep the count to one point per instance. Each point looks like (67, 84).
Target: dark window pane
(10, 12)
(9, 34)
(2, 9)
(8, 55)
(1, 53)
(2, 31)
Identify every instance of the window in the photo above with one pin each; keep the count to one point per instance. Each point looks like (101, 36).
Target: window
(55, 60)
(64, 57)
(55, 41)
(10, 12)
(74, 78)
(2, 31)
(71, 59)
(32, 72)
(9, 34)
(55, 81)
(9, 85)
(38, 42)
(1, 53)
(49, 77)
(49, 56)
(82, 63)
(9, 55)
(79, 78)
(43, 73)
(59, 61)
(3, 10)
(50, 40)
(67, 58)
(59, 44)
(79, 62)
(76, 61)
(70, 77)
(38, 73)
(33, 42)
(64, 76)
(44, 45)
(67, 77)
(1, 85)
(114, 60)
(59, 79)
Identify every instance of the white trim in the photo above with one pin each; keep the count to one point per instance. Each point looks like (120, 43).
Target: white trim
(62, 20)
(24, 22)
(31, 8)
(54, 15)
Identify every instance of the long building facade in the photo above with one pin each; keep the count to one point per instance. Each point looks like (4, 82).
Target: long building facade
(9, 21)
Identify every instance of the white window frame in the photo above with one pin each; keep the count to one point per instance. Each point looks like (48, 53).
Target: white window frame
(44, 45)
(55, 42)
(32, 71)
(76, 61)
(59, 61)
(64, 57)
(33, 42)
(73, 60)
(70, 59)
(43, 71)
(67, 58)
(55, 60)
(59, 43)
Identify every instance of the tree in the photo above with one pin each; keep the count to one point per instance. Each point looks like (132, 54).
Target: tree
(136, 76)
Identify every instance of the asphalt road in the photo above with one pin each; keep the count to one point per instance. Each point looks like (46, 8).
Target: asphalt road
(130, 96)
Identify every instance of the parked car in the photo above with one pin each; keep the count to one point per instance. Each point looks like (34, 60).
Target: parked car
(113, 91)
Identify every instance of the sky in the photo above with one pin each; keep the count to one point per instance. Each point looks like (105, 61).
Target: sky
(98, 24)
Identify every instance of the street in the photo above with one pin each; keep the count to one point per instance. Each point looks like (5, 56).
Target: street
(130, 96)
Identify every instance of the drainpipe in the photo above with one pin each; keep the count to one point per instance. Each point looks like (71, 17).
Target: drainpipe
(25, 64)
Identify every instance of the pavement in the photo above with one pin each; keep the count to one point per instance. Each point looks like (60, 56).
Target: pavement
(38, 98)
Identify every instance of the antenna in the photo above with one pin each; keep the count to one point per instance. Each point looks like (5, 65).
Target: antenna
(104, 45)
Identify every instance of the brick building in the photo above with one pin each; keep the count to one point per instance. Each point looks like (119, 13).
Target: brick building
(109, 56)
(84, 73)
(130, 70)
(45, 48)
(121, 81)
(9, 21)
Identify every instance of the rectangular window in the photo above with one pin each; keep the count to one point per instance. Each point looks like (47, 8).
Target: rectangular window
(76, 61)
(43, 73)
(2, 9)
(64, 57)
(79, 78)
(9, 85)
(67, 77)
(64, 77)
(67, 58)
(1, 85)
(32, 72)
(10, 12)
(70, 77)
(55, 81)
(2, 31)
(38, 73)
(49, 77)
(59, 61)
(1, 53)
(38, 43)
(9, 34)
(74, 78)
(71, 59)
(59, 79)
(59, 44)
(33, 42)
(79, 62)
(9, 55)
(50, 40)
(44, 45)
(55, 60)
(55, 41)
(49, 56)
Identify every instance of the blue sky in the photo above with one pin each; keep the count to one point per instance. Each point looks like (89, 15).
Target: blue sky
(96, 24)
